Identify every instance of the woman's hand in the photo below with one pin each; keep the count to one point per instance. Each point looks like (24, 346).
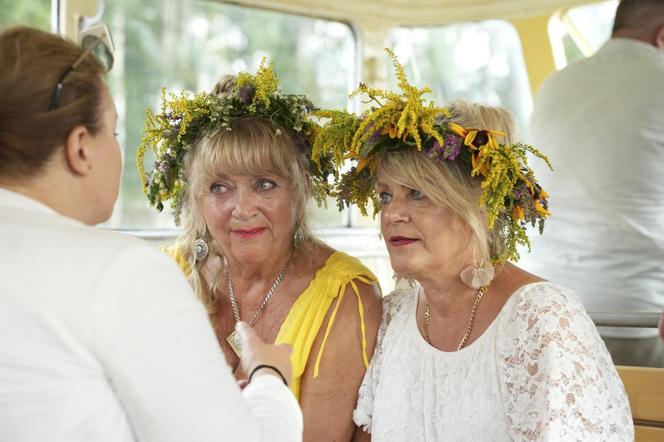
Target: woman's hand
(256, 352)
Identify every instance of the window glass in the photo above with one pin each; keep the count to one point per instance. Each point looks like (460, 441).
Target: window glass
(580, 31)
(479, 61)
(35, 13)
(189, 45)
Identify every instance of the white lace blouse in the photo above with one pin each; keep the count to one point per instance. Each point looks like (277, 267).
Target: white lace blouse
(539, 372)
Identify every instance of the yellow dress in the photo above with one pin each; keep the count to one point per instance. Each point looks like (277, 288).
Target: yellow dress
(305, 318)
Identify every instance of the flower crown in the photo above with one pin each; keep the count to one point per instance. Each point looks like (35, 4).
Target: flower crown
(185, 119)
(509, 192)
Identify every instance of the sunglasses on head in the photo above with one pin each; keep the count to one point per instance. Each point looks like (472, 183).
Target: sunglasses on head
(95, 40)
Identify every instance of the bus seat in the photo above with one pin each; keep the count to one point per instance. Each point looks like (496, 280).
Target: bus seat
(645, 390)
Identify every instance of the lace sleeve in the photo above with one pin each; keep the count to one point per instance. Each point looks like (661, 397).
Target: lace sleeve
(557, 379)
(364, 409)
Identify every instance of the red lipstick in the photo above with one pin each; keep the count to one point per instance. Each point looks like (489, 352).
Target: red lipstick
(248, 233)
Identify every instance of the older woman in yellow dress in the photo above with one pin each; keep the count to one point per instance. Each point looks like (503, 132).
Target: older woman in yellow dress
(236, 163)
(476, 348)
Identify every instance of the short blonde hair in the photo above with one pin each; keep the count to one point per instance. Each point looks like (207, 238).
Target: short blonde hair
(252, 147)
(448, 183)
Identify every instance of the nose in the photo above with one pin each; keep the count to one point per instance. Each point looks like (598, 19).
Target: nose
(394, 212)
(245, 204)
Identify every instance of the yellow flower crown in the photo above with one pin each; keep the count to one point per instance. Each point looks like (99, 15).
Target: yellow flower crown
(510, 193)
(184, 119)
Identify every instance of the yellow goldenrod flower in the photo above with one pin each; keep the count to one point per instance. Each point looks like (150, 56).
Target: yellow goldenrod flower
(543, 195)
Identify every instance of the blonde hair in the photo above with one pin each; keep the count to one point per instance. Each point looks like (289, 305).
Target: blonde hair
(252, 147)
(448, 183)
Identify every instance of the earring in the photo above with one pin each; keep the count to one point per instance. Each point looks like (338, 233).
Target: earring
(298, 237)
(477, 276)
(199, 249)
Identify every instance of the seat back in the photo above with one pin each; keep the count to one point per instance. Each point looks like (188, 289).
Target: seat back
(645, 390)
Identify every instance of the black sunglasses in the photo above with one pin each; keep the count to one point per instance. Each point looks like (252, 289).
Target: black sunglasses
(91, 44)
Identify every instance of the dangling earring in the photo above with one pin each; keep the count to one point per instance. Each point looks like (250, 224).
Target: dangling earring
(479, 275)
(298, 237)
(199, 249)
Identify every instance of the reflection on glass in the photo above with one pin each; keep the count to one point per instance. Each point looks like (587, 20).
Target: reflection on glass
(479, 61)
(189, 45)
(586, 26)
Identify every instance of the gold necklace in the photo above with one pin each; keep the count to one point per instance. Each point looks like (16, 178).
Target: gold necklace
(233, 339)
(471, 322)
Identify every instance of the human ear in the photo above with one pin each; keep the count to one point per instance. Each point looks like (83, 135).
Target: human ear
(77, 151)
(659, 38)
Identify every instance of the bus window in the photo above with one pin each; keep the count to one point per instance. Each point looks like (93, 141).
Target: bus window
(578, 32)
(189, 45)
(477, 61)
(35, 13)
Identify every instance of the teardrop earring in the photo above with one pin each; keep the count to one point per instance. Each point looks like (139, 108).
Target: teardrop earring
(298, 237)
(476, 275)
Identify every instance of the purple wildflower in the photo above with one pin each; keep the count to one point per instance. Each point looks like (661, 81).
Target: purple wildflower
(452, 147)
(163, 167)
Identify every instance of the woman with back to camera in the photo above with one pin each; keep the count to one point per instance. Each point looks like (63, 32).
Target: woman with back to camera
(476, 349)
(236, 162)
(101, 339)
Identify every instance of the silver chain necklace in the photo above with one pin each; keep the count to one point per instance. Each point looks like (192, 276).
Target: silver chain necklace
(471, 322)
(234, 339)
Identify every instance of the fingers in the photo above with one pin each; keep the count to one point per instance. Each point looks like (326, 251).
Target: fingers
(248, 336)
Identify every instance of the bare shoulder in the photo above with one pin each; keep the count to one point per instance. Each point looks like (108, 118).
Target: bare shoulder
(328, 398)
(512, 278)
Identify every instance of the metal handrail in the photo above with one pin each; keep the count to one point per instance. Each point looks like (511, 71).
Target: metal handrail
(641, 320)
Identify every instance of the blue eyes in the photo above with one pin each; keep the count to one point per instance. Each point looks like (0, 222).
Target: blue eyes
(259, 185)
(264, 185)
(218, 188)
(416, 194)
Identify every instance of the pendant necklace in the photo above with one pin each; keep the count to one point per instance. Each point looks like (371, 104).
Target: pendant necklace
(233, 339)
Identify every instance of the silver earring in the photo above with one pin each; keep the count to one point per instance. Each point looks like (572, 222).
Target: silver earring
(298, 237)
(200, 249)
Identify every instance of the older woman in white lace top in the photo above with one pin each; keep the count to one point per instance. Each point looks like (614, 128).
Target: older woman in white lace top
(472, 351)
(475, 349)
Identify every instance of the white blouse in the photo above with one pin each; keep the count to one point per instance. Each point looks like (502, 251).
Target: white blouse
(102, 339)
(539, 372)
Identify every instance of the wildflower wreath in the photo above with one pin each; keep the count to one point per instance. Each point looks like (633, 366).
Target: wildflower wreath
(509, 191)
(185, 119)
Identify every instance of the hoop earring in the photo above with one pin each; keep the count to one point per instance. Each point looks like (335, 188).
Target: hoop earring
(476, 275)
(200, 249)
